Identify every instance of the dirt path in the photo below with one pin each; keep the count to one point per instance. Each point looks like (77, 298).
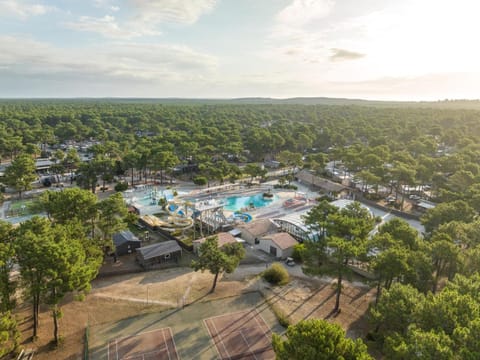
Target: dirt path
(137, 300)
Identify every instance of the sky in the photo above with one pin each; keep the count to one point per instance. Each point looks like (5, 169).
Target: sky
(368, 49)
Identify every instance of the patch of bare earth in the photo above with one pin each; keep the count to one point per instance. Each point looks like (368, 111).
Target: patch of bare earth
(116, 298)
(303, 299)
(121, 297)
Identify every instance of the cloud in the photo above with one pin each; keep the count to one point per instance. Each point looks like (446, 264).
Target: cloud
(302, 12)
(119, 61)
(106, 4)
(342, 54)
(171, 11)
(144, 17)
(108, 27)
(22, 9)
(299, 31)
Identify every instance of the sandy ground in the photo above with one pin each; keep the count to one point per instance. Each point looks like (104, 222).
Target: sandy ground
(116, 298)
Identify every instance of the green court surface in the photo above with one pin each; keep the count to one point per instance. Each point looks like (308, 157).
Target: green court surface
(22, 205)
(190, 334)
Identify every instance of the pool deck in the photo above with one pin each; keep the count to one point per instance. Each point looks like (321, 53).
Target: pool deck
(192, 193)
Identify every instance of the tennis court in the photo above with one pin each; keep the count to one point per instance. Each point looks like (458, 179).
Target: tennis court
(150, 345)
(241, 336)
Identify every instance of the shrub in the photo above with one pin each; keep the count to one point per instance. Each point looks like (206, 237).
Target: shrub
(162, 202)
(298, 253)
(121, 186)
(323, 197)
(200, 180)
(187, 240)
(281, 316)
(276, 274)
(285, 186)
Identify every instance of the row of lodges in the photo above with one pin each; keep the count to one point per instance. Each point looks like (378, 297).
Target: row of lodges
(147, 256)
(262, 234)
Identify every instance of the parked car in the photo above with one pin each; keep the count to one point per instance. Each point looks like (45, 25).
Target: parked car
(289, 261)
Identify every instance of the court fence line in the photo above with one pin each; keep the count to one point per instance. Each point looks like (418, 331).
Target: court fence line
(87, 335)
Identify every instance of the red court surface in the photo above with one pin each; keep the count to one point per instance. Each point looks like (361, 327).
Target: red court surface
(242, 335)
(151, 345)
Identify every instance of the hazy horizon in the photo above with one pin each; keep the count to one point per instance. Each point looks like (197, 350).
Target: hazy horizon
(381, 50)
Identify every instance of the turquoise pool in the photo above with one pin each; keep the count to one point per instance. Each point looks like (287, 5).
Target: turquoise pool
(235, 203)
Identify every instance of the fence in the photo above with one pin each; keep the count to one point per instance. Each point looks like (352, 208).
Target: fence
(87, 336)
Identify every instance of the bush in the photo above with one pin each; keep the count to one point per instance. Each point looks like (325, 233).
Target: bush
(200, 180)
(276, 274)
(187, 240)
(281, 317)
(373, 197)
(162, 202)
(285, 186)
(323, 197)
(121, 186)
(298, 253)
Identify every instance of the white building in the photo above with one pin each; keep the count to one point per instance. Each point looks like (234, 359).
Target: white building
(279, 245)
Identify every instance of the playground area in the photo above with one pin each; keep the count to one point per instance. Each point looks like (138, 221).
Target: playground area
(232, 328)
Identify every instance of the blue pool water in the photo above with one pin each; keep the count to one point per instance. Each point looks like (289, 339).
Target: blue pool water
(146, 201)
(235, 203)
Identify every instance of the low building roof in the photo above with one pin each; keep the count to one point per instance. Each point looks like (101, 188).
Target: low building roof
(159, 249)
(283, 240)
(223, 238)
(235, 232)
(425, 204)
(259, 227)
(297, 218)
(124, 236)
(322, 183)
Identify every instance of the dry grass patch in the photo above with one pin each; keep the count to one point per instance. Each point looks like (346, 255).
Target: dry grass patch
(122, 297)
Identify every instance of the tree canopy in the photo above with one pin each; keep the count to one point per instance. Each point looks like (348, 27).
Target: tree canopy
(218, 260)
(316, 339)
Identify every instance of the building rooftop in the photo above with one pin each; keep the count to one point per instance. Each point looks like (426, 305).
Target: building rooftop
(283, 240)
(124, 236)
(159, 249)
(259, 227)
(223, 238)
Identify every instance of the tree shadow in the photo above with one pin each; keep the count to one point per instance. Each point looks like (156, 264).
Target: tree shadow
(311, 296)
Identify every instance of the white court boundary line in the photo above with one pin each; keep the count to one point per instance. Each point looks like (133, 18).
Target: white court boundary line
(164, 345)
(260, 324)
(246, 342)
(218, 336)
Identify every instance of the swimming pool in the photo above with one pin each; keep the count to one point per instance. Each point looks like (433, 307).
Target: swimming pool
(145, 201)
(235, 203)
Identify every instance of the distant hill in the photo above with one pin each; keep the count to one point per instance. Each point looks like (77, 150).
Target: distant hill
(447, 104)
